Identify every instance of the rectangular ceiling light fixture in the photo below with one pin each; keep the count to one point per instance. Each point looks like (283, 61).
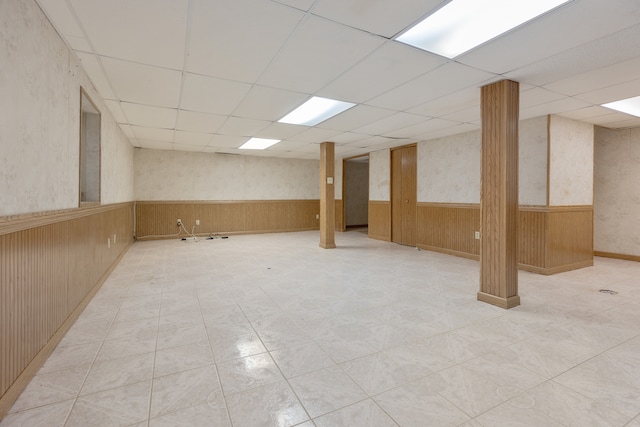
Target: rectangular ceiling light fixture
(628, 106)
(461, 25)
(259, 143)
(315, 110)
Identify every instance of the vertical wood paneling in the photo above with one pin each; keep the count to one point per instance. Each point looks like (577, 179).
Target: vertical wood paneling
(396, 196)
(499, 194)
(449, 228)
(327, 196)
(159, 218)
(380, 220)
(532, 235)
(45, 272)
(570, 238)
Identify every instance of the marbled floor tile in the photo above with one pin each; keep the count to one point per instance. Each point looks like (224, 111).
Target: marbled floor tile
(202, 415)
(118, 372)
(634, 423)
(126, 347)
(178, 359)
(342, 349)
(479, 384)
(326, 390)
(120, 406)
(272, 405)
(416, 404)
(301, 359)
(605, 380)
(555, 403)
(377, 373)
(135, 329)
(235, 346)
(181, 335)
(362, 414)
(248, 372)
(69, 357)
(56, 386)
(185, 389)
(54, 415)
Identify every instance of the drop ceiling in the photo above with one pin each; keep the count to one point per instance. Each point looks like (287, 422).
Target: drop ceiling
(206, 75)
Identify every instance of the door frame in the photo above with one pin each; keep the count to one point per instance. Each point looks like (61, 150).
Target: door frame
(391, 194)
(343, 212)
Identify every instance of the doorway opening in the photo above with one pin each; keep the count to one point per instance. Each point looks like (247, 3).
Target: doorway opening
(355, 194)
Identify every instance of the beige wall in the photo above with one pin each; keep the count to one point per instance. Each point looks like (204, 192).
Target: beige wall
(176, 175)
(616, 191)
(380, 175)
(570, 162)
(40, 83)
(449, 167)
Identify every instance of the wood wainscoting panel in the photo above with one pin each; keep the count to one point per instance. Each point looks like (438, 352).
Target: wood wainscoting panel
(158, 219)
(46, 274)
(449, 228)
(339, 215)
(570, 238)
(532, 235)
(380, 220)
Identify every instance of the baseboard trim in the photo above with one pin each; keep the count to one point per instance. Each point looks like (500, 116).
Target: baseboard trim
(625, 257)
(379, 237)
(555, 270)
(449, 252)
(13, 392)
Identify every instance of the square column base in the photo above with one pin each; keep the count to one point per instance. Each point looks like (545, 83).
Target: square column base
(501, 302)
(327, 245)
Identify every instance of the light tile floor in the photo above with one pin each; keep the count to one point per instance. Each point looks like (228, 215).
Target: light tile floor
(271, 330)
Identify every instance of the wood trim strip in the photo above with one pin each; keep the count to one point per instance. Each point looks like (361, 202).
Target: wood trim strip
(449, 252)
(219, 202)
(449, 205)
(11, 395)
(614, 255)
(15, 223)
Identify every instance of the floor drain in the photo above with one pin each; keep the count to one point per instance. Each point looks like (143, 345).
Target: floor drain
(608, 291)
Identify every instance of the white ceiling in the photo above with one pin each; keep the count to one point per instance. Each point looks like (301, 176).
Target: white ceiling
(206, 75)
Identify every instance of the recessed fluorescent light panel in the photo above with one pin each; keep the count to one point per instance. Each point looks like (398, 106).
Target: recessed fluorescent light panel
(315, 110)
(629, 106)
(259, 143)
(461, 25)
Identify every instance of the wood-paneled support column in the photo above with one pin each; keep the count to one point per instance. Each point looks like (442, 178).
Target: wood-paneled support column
(499, 194)
(327, 196)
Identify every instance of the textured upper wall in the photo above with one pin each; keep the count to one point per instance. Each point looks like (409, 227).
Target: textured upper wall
(571, 162)
(176, 175)
(449, 167)
(380, 175)
(40, 83)
(616, 191)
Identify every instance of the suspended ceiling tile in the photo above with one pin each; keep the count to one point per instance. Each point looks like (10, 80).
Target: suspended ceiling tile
(612, 93)
(193, 138)
(628, 122)
(315, 135)
(549, 35)
(554, 107)
(587, 113)
(348, 138)
(460, 100)
(375, 16)
(356, 117)
(151, 32)
(152, 134)
(156, 145)
(148, 116)
(199, 122)
(94, 71)
(621, 46)
(285, 146)
(61, 17)
(391, 123)
(140, 84)
(461, 128)
(211, 95)
(189, 147)
(388, 67)
(304, 5)
(444, 80)
(597, 79)
(468, 115)
(280, 131)
(240, 126)
(422, 130)
(536, 96)
(227, 141)
(236, 39)
(317, 52)
(79, 44)
(116, 111)
(267, 103)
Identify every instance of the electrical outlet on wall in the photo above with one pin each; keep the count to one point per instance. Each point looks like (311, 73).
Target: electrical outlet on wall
(197, 222)
(317, 216)
(109, 243)
(477, 235)
(179, 222)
